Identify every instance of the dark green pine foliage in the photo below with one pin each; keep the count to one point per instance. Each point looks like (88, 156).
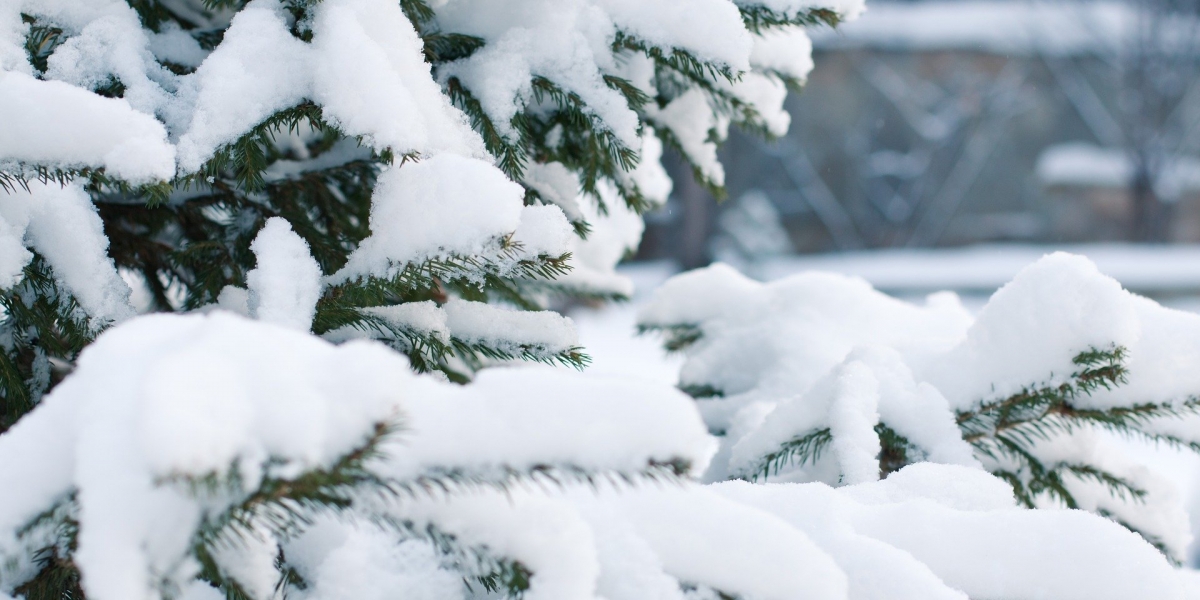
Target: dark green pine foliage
(189, 238)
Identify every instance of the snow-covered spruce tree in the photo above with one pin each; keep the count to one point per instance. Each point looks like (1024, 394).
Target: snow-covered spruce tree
(300, 175)
(818, 377)
(385, 133)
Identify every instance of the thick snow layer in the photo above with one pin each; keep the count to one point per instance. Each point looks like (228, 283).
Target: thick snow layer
(258, 69)
(543, 231)
(286, 282)
(61, 224)
(364, 67)
(932, 531)
(537, 416)
(929, 531)
(372, 80)
(820, 351)
(51, 122)
(787, 52)
(435, 208)
(166, 397)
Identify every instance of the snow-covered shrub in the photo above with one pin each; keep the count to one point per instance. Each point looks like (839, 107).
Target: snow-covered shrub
(818, 377)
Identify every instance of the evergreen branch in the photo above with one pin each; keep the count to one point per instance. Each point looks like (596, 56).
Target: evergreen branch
(94, 180)
(448, 47)
(677, 60)
(1117, 486)
(56, 576)
(446, 481)
(426, 352)
(40, 42)
(511, 157)
(284, 505)
(701, 391)
(479, 565)
(895, 451)
(634, 95)
(247, 158)
(473, 276)
(418, 12)
(215, 5)
(799, 451)
(669, 139)
(473, 353)
(759, 19)
(41, 322)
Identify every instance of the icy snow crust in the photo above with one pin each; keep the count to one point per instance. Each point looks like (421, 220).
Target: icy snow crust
(818, 350)
(165, 398)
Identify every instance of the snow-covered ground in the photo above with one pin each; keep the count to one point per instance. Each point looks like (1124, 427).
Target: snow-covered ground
(1171, 274)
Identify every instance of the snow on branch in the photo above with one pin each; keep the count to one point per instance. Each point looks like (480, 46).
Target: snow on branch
(818, 377)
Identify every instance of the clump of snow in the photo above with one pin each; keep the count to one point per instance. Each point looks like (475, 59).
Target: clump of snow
(951, 532)
(691, 120)
(649, 177)
(258, 69)
(13, 255)
(371, 78)
(930, 531)
(51, 122)
(556, 184)
(421, 318)
(286, 283)
(543, 231)
(61, 224)
(531, 416)
(359, 560)
(435, 208)
(1032, 328)
(614, 236)
(787, 52)
(511, 330)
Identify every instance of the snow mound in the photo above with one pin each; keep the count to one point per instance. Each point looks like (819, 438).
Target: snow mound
(804, 377)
